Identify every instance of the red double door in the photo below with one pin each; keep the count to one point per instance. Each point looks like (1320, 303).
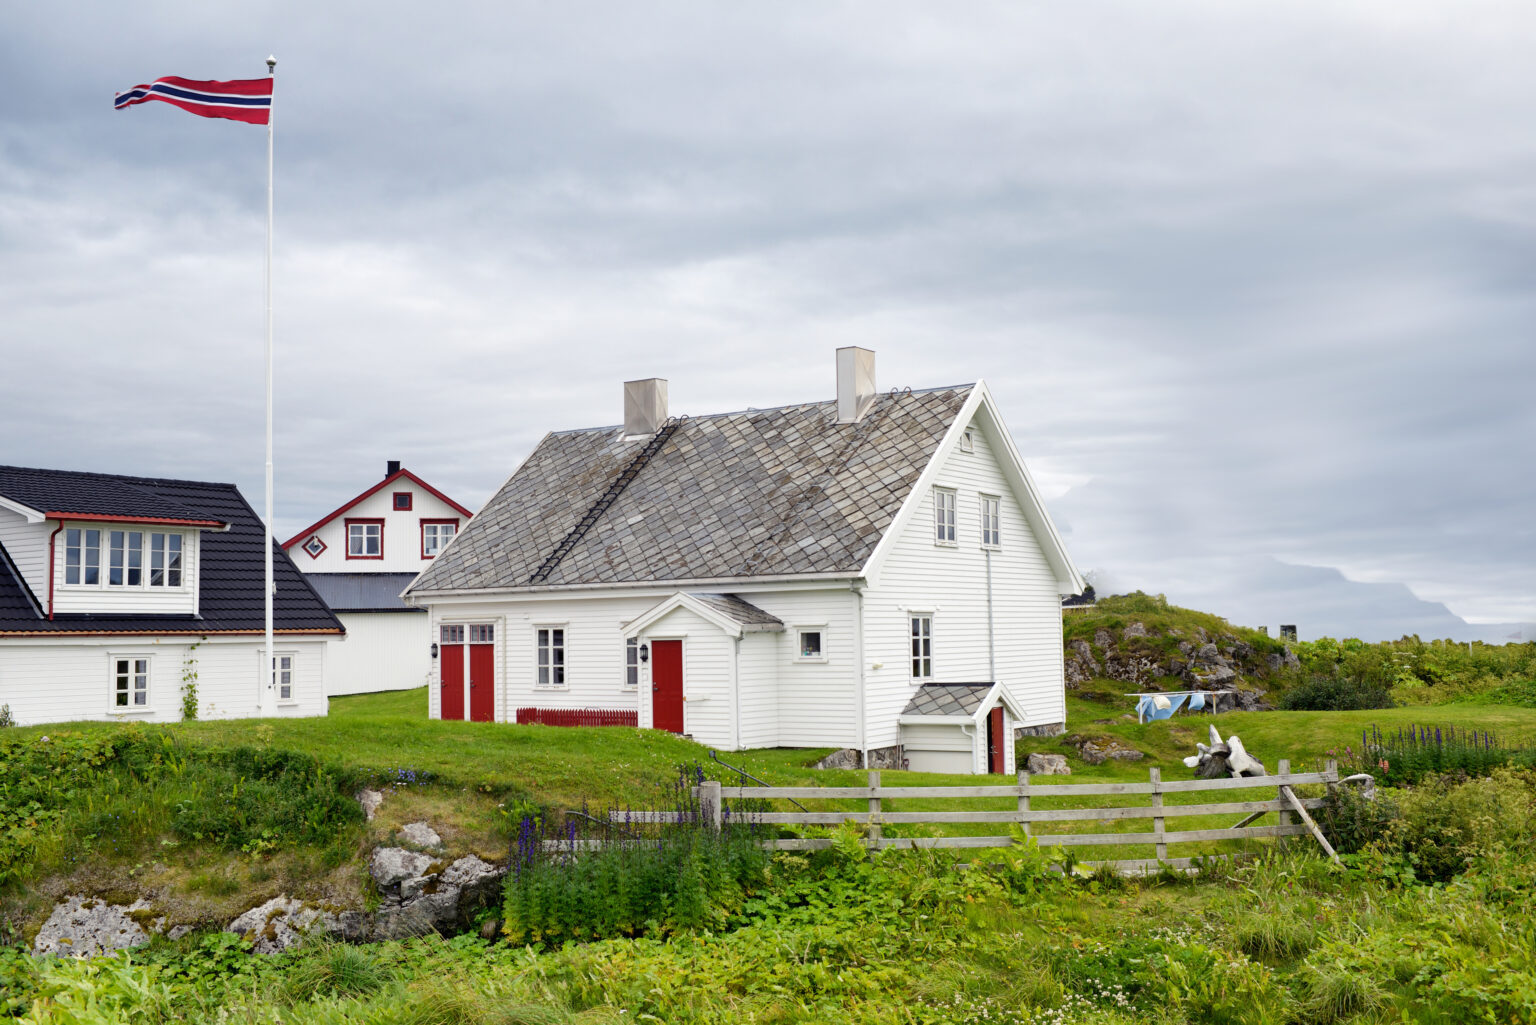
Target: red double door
(667, 685)
(478, 660)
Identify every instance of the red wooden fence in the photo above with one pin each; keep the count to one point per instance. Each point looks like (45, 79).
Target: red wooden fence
(577, 717)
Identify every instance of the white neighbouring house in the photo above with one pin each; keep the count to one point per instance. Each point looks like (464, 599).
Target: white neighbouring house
(115, 591)
(360, 558)
(876, 573)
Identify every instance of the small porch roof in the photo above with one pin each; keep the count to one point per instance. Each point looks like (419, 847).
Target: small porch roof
(957, 704)
(729, 612)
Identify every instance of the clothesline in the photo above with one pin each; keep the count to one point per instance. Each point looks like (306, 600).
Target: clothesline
(1156, 705)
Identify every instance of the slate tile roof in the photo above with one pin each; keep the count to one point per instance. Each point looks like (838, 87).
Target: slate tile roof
(742, 611)
(955, 699)
(757, 493)
(363, 592)
(231, 570)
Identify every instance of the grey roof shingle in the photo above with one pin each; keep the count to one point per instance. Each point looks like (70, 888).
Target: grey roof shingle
(953, 699)
(742, 611)
(758, 493)
(362, 592)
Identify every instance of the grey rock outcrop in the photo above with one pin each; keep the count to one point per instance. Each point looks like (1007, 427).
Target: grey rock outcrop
(1048, 765)
(282, 922)
(1134, 630)
(1098, 751)
(423, 901)
(390, 866)
(85, 927)
(421, 835)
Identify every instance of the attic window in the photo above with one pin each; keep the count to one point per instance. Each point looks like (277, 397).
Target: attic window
(314, 546)
(967, 442)
(402, 501)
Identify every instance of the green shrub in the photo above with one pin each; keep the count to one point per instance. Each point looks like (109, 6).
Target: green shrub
(1410, 754)
(1332, 693)
(1351, 823)
(1445, 825)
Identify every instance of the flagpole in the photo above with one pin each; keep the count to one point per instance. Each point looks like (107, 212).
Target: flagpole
(266, 694)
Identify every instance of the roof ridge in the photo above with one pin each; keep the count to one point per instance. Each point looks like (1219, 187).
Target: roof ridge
(128, 478)
(774, 409)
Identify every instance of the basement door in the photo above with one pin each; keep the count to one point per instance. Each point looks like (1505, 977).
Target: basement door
(667, 685)
(450, 672)
(996, 760)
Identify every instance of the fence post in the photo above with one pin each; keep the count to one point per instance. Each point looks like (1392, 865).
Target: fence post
(1158, 822)
(1283, 768)
(874, 808)
(1331, 770)
(709, 803)
(1024, 799)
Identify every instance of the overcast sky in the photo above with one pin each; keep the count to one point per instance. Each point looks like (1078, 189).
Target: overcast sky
(1252, 283)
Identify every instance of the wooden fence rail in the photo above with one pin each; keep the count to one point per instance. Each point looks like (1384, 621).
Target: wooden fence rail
(1292, 812)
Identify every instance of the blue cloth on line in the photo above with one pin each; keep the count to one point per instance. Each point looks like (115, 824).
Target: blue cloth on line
(1196, 702)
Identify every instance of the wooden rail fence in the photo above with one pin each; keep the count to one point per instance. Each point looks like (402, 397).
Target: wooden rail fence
(1294, 818)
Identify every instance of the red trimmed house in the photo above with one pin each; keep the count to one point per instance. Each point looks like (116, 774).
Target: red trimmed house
(360, 557)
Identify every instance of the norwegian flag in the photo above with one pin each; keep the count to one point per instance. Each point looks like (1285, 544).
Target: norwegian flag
(246, 99)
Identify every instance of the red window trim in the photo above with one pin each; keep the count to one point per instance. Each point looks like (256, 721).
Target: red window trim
(323, 546)
(424, 522)
(347, 526)
(394, 501)
(380, 486)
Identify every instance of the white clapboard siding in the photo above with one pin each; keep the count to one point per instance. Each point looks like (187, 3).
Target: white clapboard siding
(382, 651)
(707, 669)
(757, 684)
(817, 701)
(951, 582)
(68, 679)
(402, 533)
(27, 544)
(127, 600)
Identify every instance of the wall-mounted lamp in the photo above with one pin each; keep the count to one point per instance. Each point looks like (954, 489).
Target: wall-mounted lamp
(434, 651)
(645, 652)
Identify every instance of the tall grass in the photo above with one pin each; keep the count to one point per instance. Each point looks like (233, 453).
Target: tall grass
(578, 880)
(1409, 754)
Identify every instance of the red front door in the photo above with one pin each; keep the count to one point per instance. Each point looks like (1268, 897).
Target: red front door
(482, 682)
(451, 666)
(667, 685)
(996, 762)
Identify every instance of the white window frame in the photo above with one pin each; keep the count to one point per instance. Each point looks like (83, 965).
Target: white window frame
(279, 671)
(365, 524)
(967, 441)
(811, 628)
(563, 669)
(133, 676)
(105, 557)
(991, 510)
(631, 663)
(913, 655)
(946, 503)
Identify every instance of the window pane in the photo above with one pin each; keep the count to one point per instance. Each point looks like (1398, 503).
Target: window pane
(810, 644)
(135, 559)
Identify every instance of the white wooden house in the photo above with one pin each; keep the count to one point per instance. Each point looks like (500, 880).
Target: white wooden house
(360, 557)
(117, 591)
(874, 573)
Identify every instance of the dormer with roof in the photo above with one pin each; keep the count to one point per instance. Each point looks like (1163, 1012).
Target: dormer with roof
(110, 583)
(360, 557)
(815, 575)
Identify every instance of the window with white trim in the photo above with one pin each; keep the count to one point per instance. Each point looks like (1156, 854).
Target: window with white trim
(482, 633)
(282, 676)
(943, 516)
(550, 647)
(967, 441)
(991, 521)
(632, 662)
(365, 539)
(126, 553)
(811, 646)
(435, 537)
(922, 646)
(130, 683)
(82, 557)
(452, 633)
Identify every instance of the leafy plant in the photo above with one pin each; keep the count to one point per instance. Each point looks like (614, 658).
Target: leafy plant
(1322, 692)
(189, 681)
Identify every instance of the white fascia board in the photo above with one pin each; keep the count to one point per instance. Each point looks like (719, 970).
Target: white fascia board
(1068, 579)
(914, 499)
(26, 512)
(999, 694)
(936, 720)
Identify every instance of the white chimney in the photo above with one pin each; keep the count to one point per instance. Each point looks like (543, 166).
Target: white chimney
(855, 383)
(645, 405)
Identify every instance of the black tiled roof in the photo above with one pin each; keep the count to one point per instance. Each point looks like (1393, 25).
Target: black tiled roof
(91, 494)
(363, 592)
(758, 493)
(230, 566)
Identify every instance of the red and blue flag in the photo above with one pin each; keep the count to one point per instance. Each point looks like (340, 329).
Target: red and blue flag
(246, 99)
